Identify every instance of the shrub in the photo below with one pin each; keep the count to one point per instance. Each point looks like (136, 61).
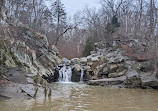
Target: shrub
(89, 46)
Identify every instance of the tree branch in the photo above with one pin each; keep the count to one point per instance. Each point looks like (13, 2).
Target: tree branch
(64, 33)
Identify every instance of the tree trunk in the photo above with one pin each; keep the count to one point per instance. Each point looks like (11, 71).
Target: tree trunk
(58, 25)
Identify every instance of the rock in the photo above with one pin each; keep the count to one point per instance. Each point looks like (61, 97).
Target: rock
(93, 52)
(76, 75)
(94, 78)
(105, 70)
(150, 84)
(75, 61)
(18, 54)
(101, 67)
(15, 90)
(133, 79)
(16, 75)
(88, 68)
(145, 66)
(132, 73)
(83, 60)
(113, 68)
(95, 59)
(116, 57)
(121, 68)
(77, 68)
(102, 71)
(114, 75)
(133, 82)
(100, 45)
(30, 75)
(109, 81)
(23, 46)
(30, 81)
(54, 49)
(94, 64)
(148, 80)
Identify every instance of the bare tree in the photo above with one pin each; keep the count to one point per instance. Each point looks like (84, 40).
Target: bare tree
(2, 4)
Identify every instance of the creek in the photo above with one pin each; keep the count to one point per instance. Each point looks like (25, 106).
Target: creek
(81, 97)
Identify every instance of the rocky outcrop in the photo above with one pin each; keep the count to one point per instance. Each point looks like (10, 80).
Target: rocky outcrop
(16, 53)
(22, 46)
(110, 66)
(25, 56)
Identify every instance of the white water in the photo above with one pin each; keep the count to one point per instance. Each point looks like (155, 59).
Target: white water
(65, 74)
(82, 73)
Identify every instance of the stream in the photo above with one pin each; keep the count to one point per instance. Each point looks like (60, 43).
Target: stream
(81, 97)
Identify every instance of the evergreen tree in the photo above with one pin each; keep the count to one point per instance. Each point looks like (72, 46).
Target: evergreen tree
(59, 16)
(111, 27)
(89, 46)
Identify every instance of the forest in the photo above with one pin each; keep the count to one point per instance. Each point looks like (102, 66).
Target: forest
(115, 19)
(101, 58)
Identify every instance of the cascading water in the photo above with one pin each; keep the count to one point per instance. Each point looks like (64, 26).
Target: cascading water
(82, 73)
(65, 74)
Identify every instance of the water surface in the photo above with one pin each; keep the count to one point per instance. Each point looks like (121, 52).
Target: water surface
(80, 97)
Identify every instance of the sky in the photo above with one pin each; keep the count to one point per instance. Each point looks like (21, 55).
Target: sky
(72, 6)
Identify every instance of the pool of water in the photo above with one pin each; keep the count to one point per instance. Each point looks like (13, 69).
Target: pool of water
(81, 97)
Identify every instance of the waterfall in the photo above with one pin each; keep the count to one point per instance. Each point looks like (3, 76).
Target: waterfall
(65, 74)
(82, 73)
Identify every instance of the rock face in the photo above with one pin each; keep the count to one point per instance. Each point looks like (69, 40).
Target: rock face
(25, 56)
(21, 46)
(37, 59)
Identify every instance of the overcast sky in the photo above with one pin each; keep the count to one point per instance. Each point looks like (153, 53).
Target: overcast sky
(72, 6)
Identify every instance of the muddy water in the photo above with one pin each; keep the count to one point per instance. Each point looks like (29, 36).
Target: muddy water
(80, 97)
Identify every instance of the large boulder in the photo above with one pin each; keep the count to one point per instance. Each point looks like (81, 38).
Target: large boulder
(112, 67)
(145, 66)
(114, 75)
(133, 79)
(77, 68)
(83, 61)
(116, 57)
(148, 80)
(150, 84)
(75, 61)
